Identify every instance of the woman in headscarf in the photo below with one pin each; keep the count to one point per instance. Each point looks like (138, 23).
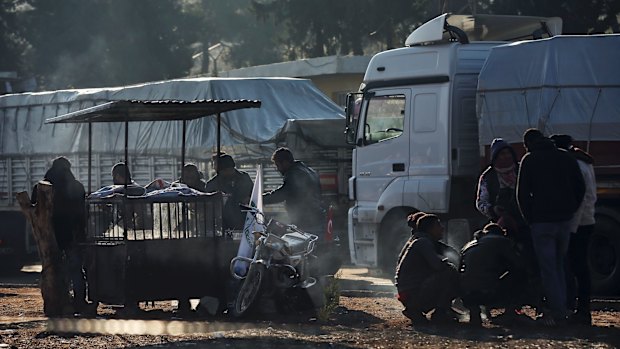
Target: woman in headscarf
(497, 186)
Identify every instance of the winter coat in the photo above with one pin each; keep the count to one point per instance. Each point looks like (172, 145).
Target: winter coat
(483, 261)
(301, 194)
(491, 192)
(550, 185)
(68, 214)
(420, 261)
(585, 212)
(239, 187)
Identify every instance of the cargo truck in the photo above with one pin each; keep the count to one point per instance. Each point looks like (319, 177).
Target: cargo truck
(426, 114)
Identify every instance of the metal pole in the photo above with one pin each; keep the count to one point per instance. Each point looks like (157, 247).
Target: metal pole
(125, 211)
(183, 145)
(126, 153)
(219, 135)
(90, 156)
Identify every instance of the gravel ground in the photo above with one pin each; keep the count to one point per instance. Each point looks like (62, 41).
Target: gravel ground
(358, 322)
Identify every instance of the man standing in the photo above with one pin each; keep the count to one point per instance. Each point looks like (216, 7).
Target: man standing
(424, 280)
(301, 192)
(69, 221)
(549, 191)
(581, 228)
(237, 184)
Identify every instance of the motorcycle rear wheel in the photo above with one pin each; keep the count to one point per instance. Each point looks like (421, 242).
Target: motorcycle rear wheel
(249, 291)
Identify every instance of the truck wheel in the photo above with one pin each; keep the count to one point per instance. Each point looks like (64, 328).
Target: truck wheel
(393, 236)
(604, 256)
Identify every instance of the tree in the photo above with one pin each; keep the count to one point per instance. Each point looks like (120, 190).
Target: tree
(322, 27)
(578, 16)
(105, 42)
(12, 44)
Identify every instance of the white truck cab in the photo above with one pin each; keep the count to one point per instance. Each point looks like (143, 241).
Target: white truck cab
(416, 136)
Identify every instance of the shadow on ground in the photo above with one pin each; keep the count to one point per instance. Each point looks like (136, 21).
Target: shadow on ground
(609, 335)
(253, 343)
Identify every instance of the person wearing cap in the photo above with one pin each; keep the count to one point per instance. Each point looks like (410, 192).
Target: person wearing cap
(491, 274)
(300, 192)
(424, 279)
(236, 184)
(550, 189)
(582, 227)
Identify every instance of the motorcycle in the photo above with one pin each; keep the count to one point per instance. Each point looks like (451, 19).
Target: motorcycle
(279, 263)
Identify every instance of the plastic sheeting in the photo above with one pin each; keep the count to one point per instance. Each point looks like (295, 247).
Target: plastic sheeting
(565, 84)
(22, 128)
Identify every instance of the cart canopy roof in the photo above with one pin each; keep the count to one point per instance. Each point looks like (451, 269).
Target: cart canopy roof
(120, 111)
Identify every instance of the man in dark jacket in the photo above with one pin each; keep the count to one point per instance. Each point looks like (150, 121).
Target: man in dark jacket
(69, 221)
(301, 192)
(491, 273)
(237, 184)
(424, 280)
(549, 191)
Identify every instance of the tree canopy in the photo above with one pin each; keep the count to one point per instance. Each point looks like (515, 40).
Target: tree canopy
(76, 43)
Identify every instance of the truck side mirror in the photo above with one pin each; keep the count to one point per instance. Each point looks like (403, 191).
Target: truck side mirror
(352, 110)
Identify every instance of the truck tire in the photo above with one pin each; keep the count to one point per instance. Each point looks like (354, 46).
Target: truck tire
(393, 236)
(604, 256)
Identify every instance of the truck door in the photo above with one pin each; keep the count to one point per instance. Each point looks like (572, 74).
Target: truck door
(382, 152)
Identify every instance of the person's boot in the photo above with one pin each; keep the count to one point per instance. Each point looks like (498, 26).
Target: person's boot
(475, 319)
(417, 317)
(582, 316)
(442, 316)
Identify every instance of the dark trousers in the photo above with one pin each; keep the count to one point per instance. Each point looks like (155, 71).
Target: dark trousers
(551, 241)
(75, 272)
(578, 283)
(436, 292)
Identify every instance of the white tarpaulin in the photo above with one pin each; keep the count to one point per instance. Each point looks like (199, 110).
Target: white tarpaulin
(22, 116)
(565, 84)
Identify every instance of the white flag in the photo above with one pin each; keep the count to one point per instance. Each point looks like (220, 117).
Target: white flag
(246, 246)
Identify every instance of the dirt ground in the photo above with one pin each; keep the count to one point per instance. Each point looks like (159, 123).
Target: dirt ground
(361, 321)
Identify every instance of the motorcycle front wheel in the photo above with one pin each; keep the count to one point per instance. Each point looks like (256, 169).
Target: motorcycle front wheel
(250, 289)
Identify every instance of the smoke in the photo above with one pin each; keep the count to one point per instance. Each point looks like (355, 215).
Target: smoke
(71, 69)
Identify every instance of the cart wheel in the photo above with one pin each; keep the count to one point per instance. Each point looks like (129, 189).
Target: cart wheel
(249, 290)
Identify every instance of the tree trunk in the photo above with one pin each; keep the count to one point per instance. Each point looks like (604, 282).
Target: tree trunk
(54, 285)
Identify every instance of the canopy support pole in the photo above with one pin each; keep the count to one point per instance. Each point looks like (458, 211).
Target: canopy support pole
(126, 152)
(127, 179)
(183, 145)
(219, 134)
(90, 156)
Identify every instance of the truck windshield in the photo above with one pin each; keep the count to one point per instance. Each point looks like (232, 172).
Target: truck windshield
(384, 118)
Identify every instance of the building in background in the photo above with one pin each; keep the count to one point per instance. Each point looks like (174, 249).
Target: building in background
(333, 75)
(10, 82)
